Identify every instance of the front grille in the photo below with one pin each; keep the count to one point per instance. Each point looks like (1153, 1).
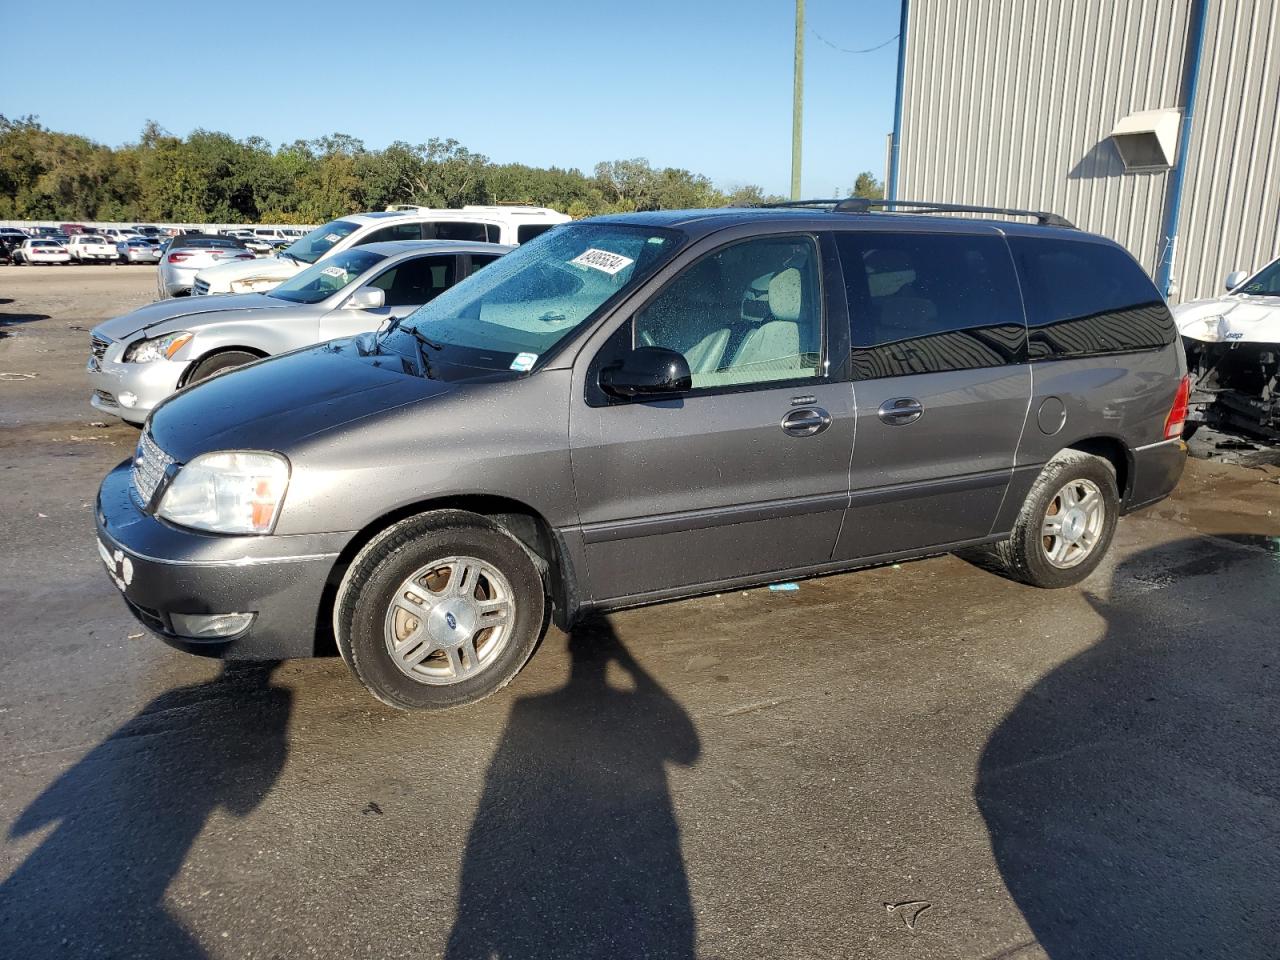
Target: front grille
(98, 346)
(149, 465)
(200, 288)
(106, 399)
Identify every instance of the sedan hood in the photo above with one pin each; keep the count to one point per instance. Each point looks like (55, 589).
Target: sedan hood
(266, 268)
(1233, 319)
(276, 403)
(163, 311)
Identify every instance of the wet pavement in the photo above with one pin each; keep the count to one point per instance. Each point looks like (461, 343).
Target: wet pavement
(922, 761)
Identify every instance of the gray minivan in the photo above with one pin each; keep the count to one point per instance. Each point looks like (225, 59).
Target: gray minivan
(636, 408)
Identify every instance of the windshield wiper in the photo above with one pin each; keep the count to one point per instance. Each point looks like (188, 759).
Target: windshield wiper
(423, 343)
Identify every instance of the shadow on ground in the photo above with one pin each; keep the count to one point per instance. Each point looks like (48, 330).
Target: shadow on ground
(1133, 795)
(125, 817)
(16, 319)
(575, 850)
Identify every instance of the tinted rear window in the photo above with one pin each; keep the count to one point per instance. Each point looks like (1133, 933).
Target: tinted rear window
(1085, 299)
(527, 231)
(927, 303)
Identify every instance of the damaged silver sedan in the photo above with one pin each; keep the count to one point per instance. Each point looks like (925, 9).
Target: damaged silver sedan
(1233, 355)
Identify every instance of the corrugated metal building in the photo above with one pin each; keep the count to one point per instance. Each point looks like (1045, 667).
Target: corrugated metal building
(1153, 122)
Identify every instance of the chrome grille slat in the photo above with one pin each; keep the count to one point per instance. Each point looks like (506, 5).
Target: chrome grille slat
(149, 465)
(98, 346)
(200, 288)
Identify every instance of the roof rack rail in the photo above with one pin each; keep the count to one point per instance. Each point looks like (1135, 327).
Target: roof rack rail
(865, 205)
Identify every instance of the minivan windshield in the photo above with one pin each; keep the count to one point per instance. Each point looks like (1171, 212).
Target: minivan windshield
(322, 280)
(521, 306)
(1264, 283)
(320, 241)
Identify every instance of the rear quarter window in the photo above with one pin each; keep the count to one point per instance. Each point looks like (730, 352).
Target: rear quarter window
(1086, 299)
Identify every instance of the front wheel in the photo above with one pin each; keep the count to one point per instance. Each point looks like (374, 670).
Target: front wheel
(1065, 526)
(440, 610)
(220, 363)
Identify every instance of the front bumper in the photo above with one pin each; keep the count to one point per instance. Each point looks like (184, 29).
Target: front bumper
(163, 570)
(131, 391)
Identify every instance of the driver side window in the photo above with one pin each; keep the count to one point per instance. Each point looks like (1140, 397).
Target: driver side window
(749, 313)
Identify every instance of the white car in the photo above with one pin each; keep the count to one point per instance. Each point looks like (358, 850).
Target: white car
(1233, 354)
(506, 225)
(114, 235)
(91, 248)
(41, 251)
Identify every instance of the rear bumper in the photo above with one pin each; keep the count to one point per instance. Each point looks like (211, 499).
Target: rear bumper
(162, 570)
(1157, 468)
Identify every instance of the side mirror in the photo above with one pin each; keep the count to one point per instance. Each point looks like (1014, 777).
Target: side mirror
(366, 298)
(647, 372)
(1235, 278)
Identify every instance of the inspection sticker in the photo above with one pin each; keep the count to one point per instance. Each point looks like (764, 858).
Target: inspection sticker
(332, 237)
(335, 272)
(602, 260)
(524, 361)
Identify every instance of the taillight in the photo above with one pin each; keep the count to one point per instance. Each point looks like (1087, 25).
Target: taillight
(1177, 417)
(179, 255)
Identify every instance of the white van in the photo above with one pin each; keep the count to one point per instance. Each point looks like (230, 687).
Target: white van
(483, 224)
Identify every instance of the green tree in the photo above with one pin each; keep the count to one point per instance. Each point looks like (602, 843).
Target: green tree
(867, 186)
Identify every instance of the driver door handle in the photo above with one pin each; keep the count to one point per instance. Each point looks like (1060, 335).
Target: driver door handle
(900, 411)
(805, 422)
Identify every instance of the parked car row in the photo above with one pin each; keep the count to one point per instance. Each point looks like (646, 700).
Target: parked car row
(627, 410)
(80, 248)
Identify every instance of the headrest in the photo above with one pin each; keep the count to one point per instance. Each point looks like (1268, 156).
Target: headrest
(784, 295)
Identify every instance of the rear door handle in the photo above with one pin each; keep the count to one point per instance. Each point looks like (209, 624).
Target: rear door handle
(805, 422)
(900, 411)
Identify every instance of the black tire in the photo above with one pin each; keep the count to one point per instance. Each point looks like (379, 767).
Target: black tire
(218, 363)
(386, 562)
(1024, 557)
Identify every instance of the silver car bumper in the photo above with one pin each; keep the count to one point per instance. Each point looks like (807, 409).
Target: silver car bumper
(131, 391)
(172, 281)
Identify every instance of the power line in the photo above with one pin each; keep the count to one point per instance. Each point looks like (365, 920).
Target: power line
(840, 49)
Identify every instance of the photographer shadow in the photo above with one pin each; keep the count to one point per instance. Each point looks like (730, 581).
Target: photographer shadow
(575, 849)
(128, 813)
(1132, 796)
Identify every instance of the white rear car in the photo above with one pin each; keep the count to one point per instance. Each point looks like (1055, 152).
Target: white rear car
(42, 251)
(91, 248)
(482, 224)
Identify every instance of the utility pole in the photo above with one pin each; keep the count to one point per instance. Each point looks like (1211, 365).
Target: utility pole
(797, 103)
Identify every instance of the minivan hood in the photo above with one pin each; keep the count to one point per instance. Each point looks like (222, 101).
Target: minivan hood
(275, 403)
(162, 311)
(265, 268)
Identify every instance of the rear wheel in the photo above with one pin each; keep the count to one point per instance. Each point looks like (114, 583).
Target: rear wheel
(1065, 526)
(438, 611)
(218, 363)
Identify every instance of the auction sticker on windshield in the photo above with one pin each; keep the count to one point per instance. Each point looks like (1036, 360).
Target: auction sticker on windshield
(524, 362)
(336, 272)
(602, 260)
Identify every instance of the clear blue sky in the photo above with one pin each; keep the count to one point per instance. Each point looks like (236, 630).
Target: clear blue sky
(702, 84)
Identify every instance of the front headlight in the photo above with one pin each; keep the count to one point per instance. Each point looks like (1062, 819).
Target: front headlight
(227, 492)
(157, 348)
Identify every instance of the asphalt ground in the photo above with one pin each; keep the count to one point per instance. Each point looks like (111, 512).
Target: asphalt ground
(917, 761)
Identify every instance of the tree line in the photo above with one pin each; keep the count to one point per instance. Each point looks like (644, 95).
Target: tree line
(211, 177)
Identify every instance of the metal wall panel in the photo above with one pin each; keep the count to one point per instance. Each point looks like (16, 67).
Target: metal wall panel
(1231, 195)
(1011, 103)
